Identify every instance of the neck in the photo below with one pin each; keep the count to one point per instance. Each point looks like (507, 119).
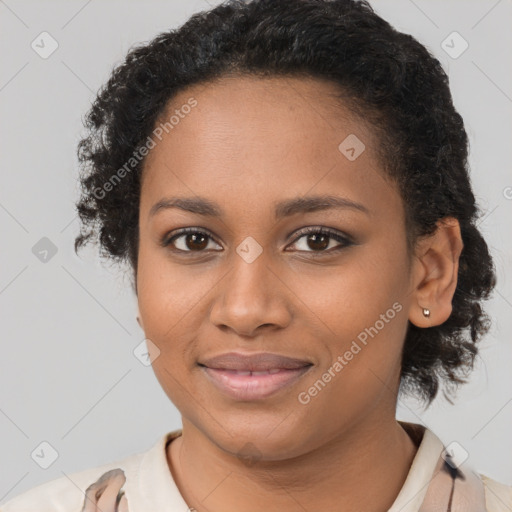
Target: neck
(362, 469)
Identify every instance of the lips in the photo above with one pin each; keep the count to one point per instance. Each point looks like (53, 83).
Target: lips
(253, 377)
(253, 363)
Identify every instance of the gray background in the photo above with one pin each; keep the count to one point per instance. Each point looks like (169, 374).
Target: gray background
(68, 375)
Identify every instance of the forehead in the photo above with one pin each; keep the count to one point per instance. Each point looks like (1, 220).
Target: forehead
(266, 105)
(250, 135)
(292, 92)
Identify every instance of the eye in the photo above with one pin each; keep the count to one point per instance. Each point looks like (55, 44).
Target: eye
(189, 240)
(320, 240)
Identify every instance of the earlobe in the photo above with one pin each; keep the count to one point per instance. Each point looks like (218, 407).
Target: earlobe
(421, 321)
(436, 270)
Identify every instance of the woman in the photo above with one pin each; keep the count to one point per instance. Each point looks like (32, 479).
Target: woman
(288, 181)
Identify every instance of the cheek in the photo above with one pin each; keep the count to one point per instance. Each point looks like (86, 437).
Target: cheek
(165, 293)
(364, 306)
(357, 292)
(165, 303)
(173, 303)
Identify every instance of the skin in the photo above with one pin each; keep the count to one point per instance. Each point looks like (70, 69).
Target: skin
(247, 145)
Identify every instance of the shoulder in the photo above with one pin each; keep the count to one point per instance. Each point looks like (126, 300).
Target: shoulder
(498, 496)
(68, 493)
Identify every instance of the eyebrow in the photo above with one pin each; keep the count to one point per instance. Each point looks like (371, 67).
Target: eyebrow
(207, 208)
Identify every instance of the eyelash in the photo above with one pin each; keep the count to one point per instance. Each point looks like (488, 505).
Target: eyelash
(343, 239)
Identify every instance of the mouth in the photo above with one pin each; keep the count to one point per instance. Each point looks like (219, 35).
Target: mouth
(253, 377)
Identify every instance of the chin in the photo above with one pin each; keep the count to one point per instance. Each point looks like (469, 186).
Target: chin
(254, 439)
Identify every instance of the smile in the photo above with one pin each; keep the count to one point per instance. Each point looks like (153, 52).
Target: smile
(245, 385)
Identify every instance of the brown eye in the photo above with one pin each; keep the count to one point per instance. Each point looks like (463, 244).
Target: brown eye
(318, 240)
(189, 240)
(196, 241)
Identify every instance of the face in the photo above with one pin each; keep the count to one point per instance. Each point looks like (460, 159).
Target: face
(324, 284)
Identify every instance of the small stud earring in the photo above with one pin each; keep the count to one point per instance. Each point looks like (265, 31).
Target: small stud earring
(426, 312)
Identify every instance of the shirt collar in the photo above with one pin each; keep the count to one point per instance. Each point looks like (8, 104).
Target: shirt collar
(150, 485)
(415, 487)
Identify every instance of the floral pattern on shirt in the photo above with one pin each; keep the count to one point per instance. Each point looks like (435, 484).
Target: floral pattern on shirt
(106, 494)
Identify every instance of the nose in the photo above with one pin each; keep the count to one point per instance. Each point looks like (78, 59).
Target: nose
(251, 298)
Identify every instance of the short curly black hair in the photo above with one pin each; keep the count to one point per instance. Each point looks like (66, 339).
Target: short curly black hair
(383, 75)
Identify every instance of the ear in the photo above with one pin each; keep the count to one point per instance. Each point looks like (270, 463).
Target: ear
(434, 274)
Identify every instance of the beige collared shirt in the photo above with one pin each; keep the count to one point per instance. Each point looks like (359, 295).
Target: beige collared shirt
(144, 483)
